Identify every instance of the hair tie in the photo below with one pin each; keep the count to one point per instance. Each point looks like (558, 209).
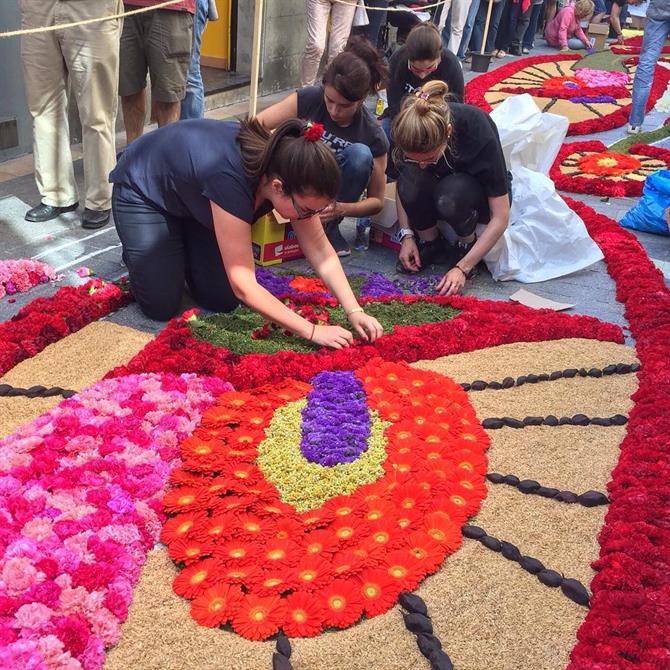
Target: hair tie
(423, 95)
(313, 131)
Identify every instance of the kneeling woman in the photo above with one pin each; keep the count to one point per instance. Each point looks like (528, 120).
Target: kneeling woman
(352, 132)
(185, 197)
(452, 169)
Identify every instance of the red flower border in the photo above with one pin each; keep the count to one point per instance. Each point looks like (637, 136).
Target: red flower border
(604, 185)
(477, 88)
(47, 320)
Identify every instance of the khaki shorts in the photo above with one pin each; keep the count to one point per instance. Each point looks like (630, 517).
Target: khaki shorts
(159, 42)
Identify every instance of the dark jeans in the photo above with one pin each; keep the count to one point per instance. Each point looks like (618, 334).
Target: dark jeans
(480, 22)
(454, 199)
(356, 164)
(535, 12)
(377, 19)
(162, 251)
(512, 27)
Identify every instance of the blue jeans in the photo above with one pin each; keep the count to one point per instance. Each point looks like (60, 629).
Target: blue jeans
(467, 28)
(356, 167)
(655, 32)
(377, 19)
(529, 36)
(478, 29)
(193, 104)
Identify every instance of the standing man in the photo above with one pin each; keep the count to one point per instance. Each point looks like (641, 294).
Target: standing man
(159, 42)
(85, 59)
(456, 11)
(656, 29)
(318, 13)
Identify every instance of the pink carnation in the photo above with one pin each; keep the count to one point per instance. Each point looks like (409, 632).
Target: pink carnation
(18, 574)
(34, 615)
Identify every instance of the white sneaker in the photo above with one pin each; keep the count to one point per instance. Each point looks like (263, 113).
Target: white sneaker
(633, 130)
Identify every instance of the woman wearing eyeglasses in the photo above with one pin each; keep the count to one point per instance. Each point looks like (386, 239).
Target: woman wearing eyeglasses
(421, 59)
(185, 197)
(351, 131)
(452, 169)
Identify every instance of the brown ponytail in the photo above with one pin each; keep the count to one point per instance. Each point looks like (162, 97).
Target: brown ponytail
(424, 42)
(358, 71)
(423, 122)
(302, 165)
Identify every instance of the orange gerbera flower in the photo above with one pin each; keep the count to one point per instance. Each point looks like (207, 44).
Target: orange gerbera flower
(219, 526)
(303, 615)
(197, 578)
(443, 469)
(379, 591)
(343, 506)
(289, 391)
(342, 602)
(180, 477)
(428, 553)
(247, 575)
(182, 525)
(404, 569)
(280, 553)
(410, 496)
(233, 503)
(244, 475)
(473, 463)
(183, 499)
(222, 415)
(263, 491)
(316, 518)
(238, 552)
(308, 285)
(213, 607)
(257, 617)
(443, 530)
(276, 510)
(321, 543)
(408, 519)
(235, 399)
(312, 572)
(384, 532)
(275, 582)
(346, 563)
(254, 527)
(349, 529)
(288, 528)
(189, 551)
(379, 509)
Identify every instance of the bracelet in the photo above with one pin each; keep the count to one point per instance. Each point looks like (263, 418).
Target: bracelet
(311, 337)
(465, 274)
(354, 310)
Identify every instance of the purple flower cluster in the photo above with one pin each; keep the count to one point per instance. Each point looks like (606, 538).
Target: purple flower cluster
(418, 285)
(377, 285)
(336, 421)
(274, 283)
(589, 99)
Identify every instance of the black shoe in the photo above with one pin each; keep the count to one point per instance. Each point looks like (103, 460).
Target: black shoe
(430, 253)
(46, 212)
(334, 236)
(514, 50)
(94, 218)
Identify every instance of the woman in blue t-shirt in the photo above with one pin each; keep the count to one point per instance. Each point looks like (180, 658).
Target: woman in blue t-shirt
(185, 197)
(352, 132)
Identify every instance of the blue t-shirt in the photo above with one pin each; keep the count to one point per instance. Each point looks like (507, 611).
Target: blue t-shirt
(182, 166)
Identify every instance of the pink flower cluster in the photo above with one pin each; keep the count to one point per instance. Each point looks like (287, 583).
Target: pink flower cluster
(80, 494)
(20, 275)
(605, 78)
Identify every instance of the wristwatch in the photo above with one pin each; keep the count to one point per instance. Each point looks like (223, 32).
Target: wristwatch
(405, 232)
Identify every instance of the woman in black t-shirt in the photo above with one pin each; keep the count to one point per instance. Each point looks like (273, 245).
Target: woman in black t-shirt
(351, 131)
(452, 169)
(185, 197)
(420, 60)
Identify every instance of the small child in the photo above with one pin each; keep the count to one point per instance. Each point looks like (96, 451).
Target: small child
(565, 24)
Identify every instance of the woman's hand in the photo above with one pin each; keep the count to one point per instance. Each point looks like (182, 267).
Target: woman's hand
(452, 282)
(333, 211)
(409, 254)
(366, 326)
(335, 337)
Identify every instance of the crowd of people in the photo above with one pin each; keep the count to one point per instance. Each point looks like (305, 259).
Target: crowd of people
(184, 196)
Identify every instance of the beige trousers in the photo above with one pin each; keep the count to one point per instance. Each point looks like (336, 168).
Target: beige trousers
(85, 62)
(459, 15)
(318, 12)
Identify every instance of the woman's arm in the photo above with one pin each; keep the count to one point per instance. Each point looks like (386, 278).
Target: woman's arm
(234, 240)
(371, 204)
(409, 251)
(454, 280)
(324, 260)
(278, 113)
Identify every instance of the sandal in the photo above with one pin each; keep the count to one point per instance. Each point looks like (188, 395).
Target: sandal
(500, 53)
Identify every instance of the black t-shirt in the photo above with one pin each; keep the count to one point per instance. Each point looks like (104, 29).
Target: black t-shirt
(403, 81)
(475, 150)
(363, 129)
(182, 166)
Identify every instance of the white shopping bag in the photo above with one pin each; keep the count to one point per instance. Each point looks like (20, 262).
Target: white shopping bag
(360, 15)
(529, 137)
(545, 239)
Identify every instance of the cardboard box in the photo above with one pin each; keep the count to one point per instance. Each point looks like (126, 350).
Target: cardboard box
(637, 22)
(385, 237)
(273, 240)
(598, 33)
(388, 217)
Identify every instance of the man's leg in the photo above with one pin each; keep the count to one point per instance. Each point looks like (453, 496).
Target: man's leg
(134, 114)
(467, 28)
(193, 104)
(46, 92)
(341, 18)
(459, 15)
(655, 33)
(133, 75)
(317, 13)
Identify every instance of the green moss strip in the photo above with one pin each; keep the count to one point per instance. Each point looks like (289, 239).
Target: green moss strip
(622, 146)
(233, 330)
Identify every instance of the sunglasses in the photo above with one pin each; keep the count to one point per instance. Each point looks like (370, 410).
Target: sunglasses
(305, 213)
(425, 70)
(411, 161)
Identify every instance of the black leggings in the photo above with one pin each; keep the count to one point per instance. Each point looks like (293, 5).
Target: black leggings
(162, 251)
(458, 199)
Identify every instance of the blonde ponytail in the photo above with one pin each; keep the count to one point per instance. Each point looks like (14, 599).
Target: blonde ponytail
(423, 122)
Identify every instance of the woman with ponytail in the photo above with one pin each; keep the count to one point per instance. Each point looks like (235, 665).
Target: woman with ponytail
(452, 169)
(185, 197)
(351, 131)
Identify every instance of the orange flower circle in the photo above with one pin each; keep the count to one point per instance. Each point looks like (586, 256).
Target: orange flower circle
(608, 163)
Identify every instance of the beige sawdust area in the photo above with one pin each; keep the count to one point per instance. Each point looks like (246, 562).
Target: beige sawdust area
(487, 611)
(72, 363)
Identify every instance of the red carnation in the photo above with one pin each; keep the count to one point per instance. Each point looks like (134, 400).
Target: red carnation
(313, 131)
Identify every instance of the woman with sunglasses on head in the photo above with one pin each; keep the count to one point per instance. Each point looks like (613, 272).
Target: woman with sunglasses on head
(185, 197)
(452, 169)
(351, 131)
(421, 59)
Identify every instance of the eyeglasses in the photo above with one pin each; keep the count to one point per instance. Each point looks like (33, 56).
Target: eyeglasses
(412, 161)
(424, 70)
(305, 213)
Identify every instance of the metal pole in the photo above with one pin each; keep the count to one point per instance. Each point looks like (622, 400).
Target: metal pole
(256, 56)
